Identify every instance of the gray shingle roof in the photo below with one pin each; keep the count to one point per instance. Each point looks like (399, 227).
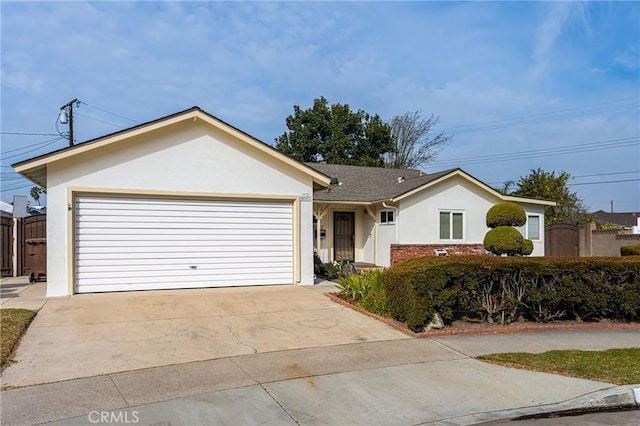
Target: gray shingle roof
(370, 184)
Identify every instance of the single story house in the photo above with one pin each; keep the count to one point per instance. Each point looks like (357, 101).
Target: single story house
(189, 201)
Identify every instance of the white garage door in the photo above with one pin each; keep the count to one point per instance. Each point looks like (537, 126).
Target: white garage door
(124, 243)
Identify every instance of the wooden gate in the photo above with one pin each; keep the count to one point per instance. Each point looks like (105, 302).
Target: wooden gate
(561, 240)
(29, 228)
(7, 246)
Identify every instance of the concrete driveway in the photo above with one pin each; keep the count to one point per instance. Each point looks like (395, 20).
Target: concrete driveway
(95, 334)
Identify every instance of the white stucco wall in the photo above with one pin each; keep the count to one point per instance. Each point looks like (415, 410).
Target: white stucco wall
(189, 158)
(419, 215)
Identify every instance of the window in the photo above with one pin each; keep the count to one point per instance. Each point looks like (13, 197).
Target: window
(386, 216)
(531, 229)
(451, 225)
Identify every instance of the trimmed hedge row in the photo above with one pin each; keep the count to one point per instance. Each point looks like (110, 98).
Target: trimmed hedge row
(505, 288)
(630, 250)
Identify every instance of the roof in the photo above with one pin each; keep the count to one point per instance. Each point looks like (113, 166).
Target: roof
(366, 185)
(35, 169)
(626, 220)
(369, 184)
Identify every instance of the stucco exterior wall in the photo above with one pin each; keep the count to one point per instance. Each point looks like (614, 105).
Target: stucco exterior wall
(418, 221)
(187, 158)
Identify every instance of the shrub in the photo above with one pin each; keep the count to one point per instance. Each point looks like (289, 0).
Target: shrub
(630, 250)
(367, 289)
(331, 271)
(504, 240)
(506, 214)
(527, 247)
(505, 288)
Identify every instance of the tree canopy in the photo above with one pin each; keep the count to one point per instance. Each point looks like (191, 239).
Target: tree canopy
(336, 135)
(414, 146)
(549, 186)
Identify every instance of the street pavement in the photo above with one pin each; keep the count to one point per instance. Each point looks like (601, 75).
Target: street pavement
(386, 379)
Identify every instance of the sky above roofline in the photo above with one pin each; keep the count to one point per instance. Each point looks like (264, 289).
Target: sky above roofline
(519, 85)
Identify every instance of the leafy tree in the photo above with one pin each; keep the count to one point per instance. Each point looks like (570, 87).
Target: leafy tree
(35, 192)
(413, 144)
(549, 186)
(336, 135)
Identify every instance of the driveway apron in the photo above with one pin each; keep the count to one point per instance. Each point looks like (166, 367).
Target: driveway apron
(94, 334)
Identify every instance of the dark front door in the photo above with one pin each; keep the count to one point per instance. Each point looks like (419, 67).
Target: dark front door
(344, 236)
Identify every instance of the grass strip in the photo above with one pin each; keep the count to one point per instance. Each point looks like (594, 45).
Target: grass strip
(617, 366)
(13, 325)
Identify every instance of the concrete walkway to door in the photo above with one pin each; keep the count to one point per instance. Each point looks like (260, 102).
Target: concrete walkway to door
(95, 334)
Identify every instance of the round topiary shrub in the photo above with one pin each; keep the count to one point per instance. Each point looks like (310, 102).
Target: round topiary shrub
(504, 240)
(506, 214)
(527, 247)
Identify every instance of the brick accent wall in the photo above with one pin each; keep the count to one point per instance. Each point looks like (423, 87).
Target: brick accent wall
(403, 252)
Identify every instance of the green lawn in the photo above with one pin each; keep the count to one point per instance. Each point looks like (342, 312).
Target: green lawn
(618, 366)
(13, 324)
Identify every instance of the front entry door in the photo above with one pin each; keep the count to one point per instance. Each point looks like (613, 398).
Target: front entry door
(344, 236)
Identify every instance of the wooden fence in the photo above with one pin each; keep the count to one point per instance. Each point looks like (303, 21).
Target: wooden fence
(585, 241)
(28, 228)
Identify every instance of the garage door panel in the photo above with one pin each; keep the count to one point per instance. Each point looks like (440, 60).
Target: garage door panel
(140, 267)
(124, 243)
(217, 231)
(212, 280)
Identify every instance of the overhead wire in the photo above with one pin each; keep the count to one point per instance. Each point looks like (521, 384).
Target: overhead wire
(545, 116)
(109, 112)
(49, 142)
(545, 152)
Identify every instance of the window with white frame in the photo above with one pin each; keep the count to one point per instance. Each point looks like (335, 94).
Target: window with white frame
(452, 225)
(531, 229)
(387, 217)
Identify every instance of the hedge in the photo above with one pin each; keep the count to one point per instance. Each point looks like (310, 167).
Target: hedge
(630, 250)
(506, 288)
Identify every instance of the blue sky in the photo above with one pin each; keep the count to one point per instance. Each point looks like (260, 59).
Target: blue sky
(519, 85)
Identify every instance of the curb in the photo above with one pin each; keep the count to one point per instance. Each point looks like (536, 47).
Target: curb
(495, 329)
(616, 398)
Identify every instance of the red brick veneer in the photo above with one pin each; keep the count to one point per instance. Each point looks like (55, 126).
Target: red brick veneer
(403, 252)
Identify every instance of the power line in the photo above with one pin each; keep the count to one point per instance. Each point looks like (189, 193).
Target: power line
(97, 119)
(16, 187)
(28, 146)
(576, 177)
(546, 116)
(605, 181)
(49, 142)
(109, 112)
(605, 174)
(567, 149)
(27, 134)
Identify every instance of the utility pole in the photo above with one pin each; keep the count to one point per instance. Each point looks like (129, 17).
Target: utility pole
(611, 206)
(66, 115)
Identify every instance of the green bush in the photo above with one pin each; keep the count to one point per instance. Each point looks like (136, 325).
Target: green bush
(630, 250)
(367, 289)
(527, 247)
(331, 271)
(506, 214)
(504, 240)
(504, 288)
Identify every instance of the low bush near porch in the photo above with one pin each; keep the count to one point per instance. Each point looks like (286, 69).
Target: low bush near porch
(498, 289)
(367, 290)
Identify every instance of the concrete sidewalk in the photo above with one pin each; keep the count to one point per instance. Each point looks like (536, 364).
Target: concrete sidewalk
(396, 382)
(19, 293)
